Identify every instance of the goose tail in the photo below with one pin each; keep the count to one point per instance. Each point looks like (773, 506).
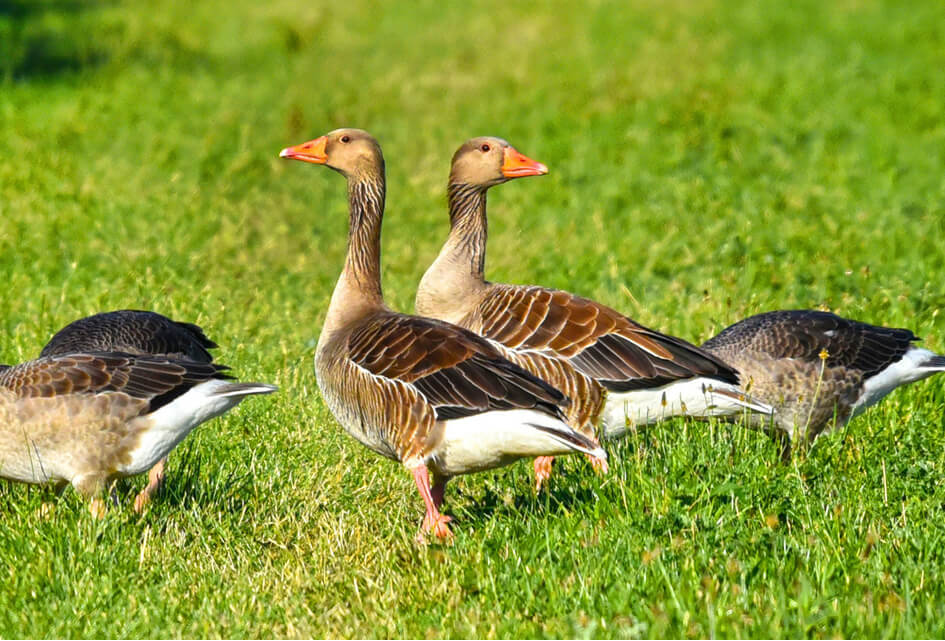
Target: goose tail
(244, 389)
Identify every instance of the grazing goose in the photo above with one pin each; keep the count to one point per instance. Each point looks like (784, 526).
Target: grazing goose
(647, 376)
(817, 369)
(88, 418)
(420, 391)
(134, 332)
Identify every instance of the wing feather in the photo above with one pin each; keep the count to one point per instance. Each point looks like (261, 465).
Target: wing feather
(597, 340)
(458, 372)
(153, 378)
(805, 334)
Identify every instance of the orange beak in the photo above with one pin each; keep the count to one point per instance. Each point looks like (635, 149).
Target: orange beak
(517, 165)
(311, 151)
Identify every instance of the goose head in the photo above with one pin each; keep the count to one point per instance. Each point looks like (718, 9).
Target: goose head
(351, 152)
(488, 161)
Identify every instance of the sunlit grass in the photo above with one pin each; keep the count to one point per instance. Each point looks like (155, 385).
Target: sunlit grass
(708, 160)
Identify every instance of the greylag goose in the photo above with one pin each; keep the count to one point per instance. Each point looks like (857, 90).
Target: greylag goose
(416, 390)
(88, 418)
(818, 369)
(647, 375)
(134, 332)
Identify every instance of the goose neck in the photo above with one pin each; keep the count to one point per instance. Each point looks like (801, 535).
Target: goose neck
(358, 290)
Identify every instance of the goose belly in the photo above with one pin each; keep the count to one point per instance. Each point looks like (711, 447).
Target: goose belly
(493, 439)
(362, 418)
(47, 440)
(28, 462)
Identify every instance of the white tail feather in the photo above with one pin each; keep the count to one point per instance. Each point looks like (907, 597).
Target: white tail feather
(167, 426)
(695, 397)
(245, 389)
(917, 363)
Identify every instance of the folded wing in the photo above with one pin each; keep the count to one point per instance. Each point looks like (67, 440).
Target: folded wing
(459, 373)
(597, 340)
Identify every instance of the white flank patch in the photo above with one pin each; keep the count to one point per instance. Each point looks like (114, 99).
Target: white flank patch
(693, 397)
(907, 369)
(497, 438)
(170, 424)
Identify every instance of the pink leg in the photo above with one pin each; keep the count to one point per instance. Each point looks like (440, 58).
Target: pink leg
(155, 481)
(542, 470)
(599, 464)
(433, 522)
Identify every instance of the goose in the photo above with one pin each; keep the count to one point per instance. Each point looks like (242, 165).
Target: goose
(135, 332)
(817, 369)
(86, 419)
(647, 376)
(433, 396)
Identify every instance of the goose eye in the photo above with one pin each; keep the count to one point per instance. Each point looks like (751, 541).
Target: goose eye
(484, 147)
(346, 138)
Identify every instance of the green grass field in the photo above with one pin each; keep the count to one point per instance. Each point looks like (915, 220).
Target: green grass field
(708, 159)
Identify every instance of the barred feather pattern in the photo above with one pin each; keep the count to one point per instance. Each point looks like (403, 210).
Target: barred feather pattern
(468, 224)
(597, 340)
(132, 331)
(366, 198)
(395, 376)
(152, 378)
(586, 395)
(77, 418)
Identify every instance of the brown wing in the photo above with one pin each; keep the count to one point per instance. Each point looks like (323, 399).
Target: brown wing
(804, 334)
(152, 378)
(132, 331)
(597, 340)
(459, 373)
(586, 395)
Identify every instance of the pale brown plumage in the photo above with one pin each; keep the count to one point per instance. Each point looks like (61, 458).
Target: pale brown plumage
(403, 385)
(87, 418)
(134, 332)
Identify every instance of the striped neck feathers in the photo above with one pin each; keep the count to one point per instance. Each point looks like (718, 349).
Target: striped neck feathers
(457, 276)
(358, 290)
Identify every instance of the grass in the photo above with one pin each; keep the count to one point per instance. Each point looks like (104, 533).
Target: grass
(708, 160)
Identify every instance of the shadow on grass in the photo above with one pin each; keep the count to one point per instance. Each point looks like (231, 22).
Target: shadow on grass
(46, 38)
(23, 8)
(565, 493)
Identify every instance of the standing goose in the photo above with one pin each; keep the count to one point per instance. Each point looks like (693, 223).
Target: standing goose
(134, 332)
(89, 418)
(818, 369)
(416, 390)
(648, 376)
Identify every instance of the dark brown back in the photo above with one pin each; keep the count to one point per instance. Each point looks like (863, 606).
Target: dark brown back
(804, 334)
(458, 372)
(134, 332)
